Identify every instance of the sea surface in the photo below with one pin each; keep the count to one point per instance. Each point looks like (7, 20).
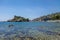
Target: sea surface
(29, 29)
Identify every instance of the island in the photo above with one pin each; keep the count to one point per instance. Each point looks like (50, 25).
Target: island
(18, 19)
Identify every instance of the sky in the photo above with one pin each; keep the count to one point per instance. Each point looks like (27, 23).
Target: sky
(27, 8)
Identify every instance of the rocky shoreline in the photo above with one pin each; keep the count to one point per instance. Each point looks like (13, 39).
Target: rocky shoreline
(53, 21)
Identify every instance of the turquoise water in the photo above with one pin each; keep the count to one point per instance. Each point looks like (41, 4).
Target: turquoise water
(30, 29)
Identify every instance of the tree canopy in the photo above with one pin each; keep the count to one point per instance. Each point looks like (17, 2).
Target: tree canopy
(18, 19)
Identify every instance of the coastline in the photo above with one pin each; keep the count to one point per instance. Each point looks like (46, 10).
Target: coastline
(53, 21)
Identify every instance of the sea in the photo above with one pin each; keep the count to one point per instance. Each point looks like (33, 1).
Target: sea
(29, 29)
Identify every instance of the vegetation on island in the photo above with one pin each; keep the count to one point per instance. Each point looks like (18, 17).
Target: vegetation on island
(53, 16)
(19, 19)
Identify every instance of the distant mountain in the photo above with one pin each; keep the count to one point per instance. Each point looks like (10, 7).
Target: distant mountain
(53, 16)
(18, 19)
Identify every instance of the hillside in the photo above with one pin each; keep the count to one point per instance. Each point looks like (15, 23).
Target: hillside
(53, 16)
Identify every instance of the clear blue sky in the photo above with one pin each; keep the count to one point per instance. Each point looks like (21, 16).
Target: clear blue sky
(27, 8)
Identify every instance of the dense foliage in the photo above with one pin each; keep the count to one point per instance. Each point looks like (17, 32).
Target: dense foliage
(18, 19)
